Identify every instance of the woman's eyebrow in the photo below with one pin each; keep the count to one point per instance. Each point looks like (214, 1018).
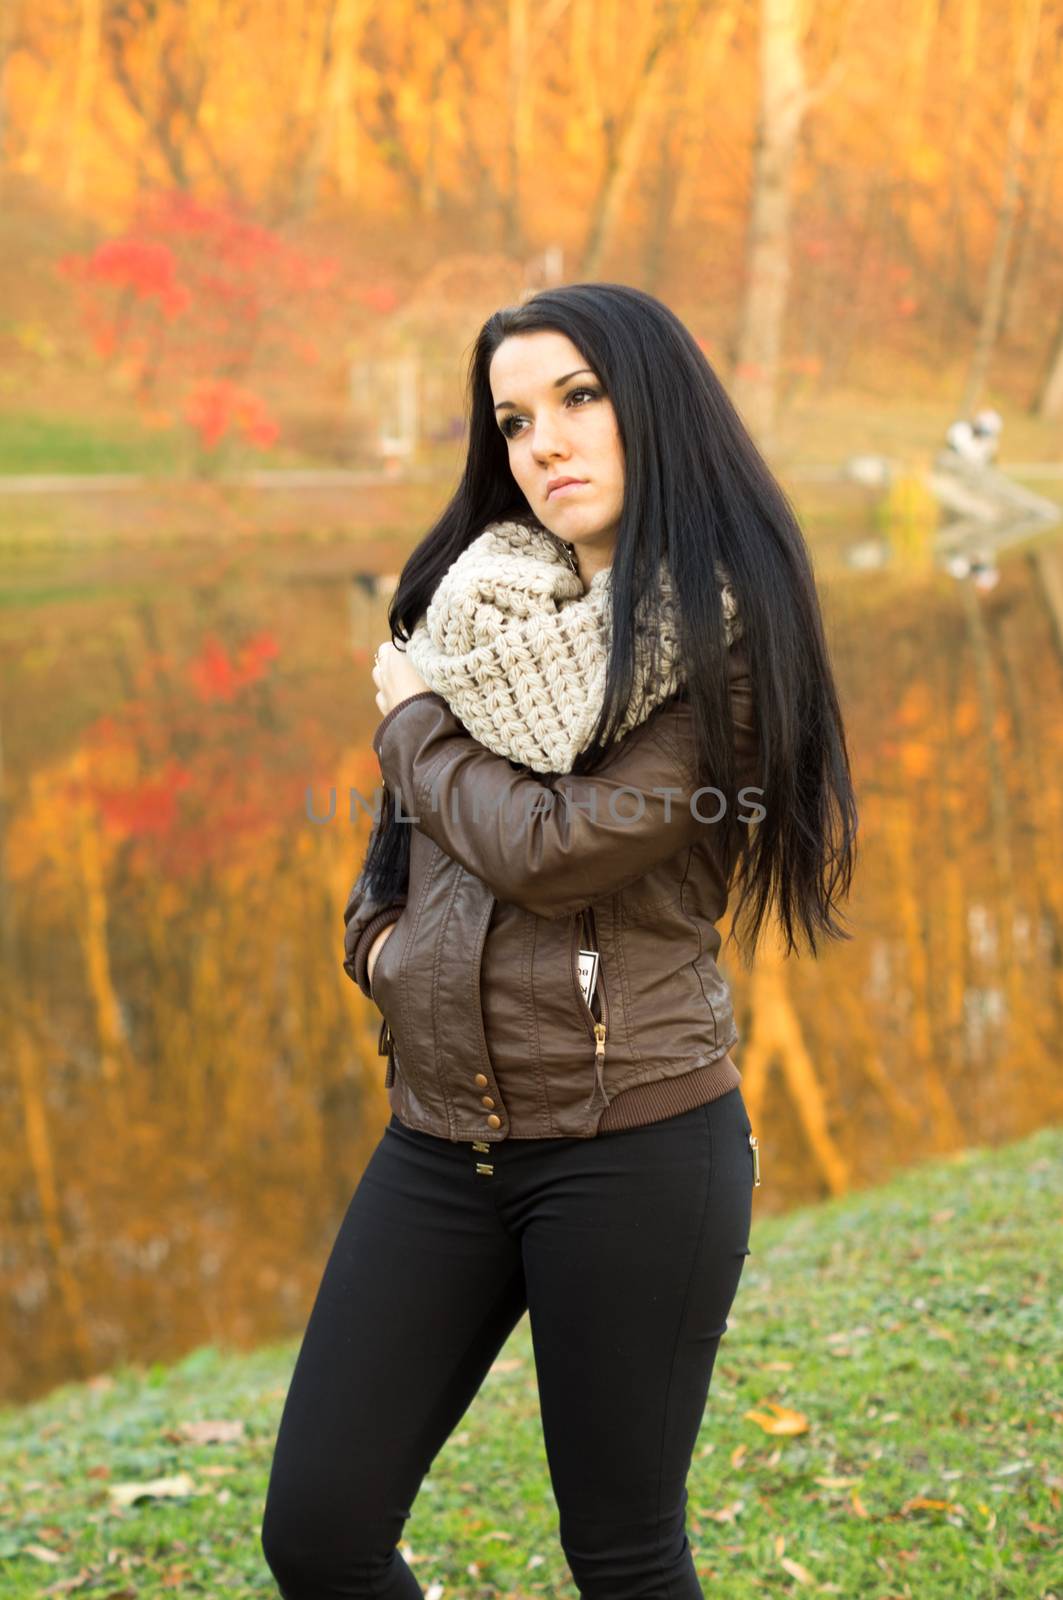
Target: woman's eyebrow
(557, 384)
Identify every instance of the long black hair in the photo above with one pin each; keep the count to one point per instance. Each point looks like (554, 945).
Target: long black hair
(697, 491)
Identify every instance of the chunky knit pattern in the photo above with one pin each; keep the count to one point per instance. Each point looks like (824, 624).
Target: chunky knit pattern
(519, 649)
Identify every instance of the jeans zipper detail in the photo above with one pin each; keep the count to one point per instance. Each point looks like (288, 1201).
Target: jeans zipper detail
(755, 1147)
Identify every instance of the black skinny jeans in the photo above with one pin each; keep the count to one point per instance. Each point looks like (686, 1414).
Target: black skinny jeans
(626, 1251)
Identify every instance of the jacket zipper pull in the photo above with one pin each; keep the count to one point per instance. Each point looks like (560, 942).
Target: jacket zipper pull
(386, 1047)
(599, 1096)
(755, 1147)
(599, 1059)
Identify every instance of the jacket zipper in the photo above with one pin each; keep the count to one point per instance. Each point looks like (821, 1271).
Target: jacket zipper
(598, 1028)
(385, 1046)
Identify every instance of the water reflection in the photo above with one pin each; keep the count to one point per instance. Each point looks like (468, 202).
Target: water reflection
(958, 516)
(191, 1084)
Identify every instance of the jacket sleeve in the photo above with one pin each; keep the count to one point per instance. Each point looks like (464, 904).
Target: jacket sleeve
(548, 845)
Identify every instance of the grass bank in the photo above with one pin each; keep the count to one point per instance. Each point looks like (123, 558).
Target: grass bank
(914, 1330)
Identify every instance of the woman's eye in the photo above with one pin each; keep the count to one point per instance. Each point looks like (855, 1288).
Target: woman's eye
(506, 429)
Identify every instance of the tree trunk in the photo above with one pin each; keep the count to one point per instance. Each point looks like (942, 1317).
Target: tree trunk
(898, 839)
(519, 125)
(954, 326)
(87, 74)
(1049, 402)
(993, 301)
(782, 108)
(1036, 225)
(777, 1038)
(655, 245)
(626, 137)
(701, 72)
(334, 115)
(7, 37)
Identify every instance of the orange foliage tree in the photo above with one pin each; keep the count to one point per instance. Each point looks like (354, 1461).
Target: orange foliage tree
(195, 303)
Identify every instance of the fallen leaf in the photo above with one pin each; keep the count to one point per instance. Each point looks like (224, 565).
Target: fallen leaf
(222, 1431)
(726, 1513)
(175, 1488)
(920, 1502)
(796, 1570)
(41, 1551)
(784, 1419)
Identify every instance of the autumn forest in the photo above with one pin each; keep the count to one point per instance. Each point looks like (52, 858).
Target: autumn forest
(244, 249)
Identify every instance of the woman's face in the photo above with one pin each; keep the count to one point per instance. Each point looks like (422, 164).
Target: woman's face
(558, 423)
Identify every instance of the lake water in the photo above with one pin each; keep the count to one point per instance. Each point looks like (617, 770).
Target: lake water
(191, 1087)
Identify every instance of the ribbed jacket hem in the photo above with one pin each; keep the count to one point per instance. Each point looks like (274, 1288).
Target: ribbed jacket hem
(422, 694)
(668, 1097)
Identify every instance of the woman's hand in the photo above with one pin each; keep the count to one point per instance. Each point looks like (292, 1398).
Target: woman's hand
(395, 678)
(374, 950)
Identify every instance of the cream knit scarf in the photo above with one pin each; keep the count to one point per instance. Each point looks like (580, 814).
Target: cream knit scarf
(518, 649)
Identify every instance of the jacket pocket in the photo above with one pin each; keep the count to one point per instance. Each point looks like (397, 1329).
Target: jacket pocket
(374, 981)
(378, 989)
(584, 928)
(585, 937)
(359, 913)
(378, 984)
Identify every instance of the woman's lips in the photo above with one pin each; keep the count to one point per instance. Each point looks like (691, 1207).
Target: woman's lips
(564, 488)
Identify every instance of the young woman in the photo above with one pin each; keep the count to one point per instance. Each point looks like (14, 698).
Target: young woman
(614, 704)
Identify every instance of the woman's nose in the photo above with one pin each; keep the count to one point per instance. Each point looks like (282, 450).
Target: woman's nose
(548, 438)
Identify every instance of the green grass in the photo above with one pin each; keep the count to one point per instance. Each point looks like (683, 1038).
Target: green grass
(916, 1326)
(31, 443)
(37, 444)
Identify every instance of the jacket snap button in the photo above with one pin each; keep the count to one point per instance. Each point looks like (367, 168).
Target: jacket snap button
(480, 1081)
(494, 1121)
(485, 1100)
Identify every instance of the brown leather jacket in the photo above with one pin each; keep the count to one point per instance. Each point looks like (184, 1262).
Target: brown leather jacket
(486, 1029)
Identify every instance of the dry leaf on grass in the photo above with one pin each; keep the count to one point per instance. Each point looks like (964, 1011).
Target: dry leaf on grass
(175, 1488)
(779, 1419)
